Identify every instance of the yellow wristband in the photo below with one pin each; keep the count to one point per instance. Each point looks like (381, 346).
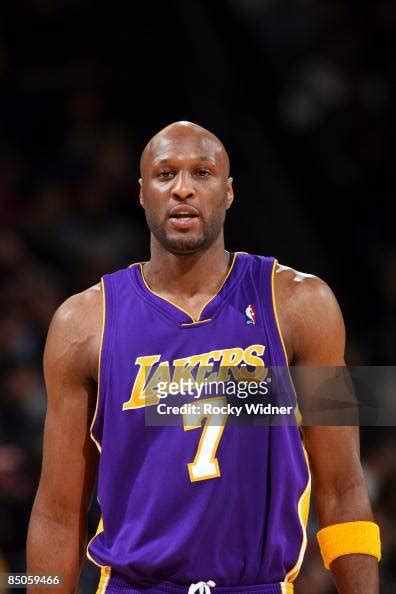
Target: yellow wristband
(349, 538)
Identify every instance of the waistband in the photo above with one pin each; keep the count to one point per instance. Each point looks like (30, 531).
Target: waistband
(112, 582)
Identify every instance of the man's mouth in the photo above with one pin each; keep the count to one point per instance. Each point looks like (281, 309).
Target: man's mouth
(183, 217)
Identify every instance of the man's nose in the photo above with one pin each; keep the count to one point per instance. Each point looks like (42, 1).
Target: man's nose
(183, 187)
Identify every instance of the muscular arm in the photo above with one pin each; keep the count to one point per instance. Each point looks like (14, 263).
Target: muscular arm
(314, 335)
(57, 529)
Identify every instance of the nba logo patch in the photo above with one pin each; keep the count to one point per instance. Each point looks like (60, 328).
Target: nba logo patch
(250, 313)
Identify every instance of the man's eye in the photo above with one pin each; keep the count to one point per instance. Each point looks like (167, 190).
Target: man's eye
(203, 172)
(166, 174)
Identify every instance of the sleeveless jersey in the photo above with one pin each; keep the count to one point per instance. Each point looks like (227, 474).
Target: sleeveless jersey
(176, 509)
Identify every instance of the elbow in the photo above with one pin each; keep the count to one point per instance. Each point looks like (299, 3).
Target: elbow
(343, 501)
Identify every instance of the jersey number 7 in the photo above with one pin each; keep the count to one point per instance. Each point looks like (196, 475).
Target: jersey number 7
(205, 464)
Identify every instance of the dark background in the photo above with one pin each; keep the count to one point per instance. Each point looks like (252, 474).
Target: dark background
(302, 95)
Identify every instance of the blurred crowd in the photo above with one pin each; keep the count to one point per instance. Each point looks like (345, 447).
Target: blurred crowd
(302, 98)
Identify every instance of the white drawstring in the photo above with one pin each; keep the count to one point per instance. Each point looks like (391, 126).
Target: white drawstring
(202, 587)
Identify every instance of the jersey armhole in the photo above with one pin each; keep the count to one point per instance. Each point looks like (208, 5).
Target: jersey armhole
(304, 500)
(281, 341)
(103, 359)
(274, 309)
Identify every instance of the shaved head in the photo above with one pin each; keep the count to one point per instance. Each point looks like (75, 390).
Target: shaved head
(178, 132)
(185, 188)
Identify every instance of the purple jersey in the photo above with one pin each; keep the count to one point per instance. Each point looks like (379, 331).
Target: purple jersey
(178, 505)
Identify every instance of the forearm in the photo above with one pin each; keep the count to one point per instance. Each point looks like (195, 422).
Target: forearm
(347, 501)
(356, 574)
(352, 573)
(55, 547)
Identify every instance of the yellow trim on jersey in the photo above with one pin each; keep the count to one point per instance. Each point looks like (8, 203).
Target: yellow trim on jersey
(297, 411)
(193, 320)
(286, 587)
(222, 284)
(275, 309)
(198, 322)
(163, 298)
(137, 264)
(303, 512)
(99, 529)
(303, 503)
(105, 575)
(99, 365)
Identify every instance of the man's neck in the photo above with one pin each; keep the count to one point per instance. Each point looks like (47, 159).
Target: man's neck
(188, 275)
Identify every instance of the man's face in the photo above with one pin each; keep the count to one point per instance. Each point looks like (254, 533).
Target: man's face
(185, 190)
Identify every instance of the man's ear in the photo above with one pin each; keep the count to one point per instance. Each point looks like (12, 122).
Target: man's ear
(230, 192)
(141, 199)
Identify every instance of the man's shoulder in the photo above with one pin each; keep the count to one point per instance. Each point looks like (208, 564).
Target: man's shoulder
(308, 309)
(75, 331)
(77, 323)
(85, 309)
(292, 283)
(301, 292)
(80, 307)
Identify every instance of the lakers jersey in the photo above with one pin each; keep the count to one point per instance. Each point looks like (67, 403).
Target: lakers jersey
(181, 504)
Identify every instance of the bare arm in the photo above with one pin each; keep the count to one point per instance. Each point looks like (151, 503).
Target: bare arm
(57, 529)
(314, 334)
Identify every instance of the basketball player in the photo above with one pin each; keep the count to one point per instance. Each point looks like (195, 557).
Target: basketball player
(193, 508)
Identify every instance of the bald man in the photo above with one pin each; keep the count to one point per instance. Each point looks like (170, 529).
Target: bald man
(198, 505)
